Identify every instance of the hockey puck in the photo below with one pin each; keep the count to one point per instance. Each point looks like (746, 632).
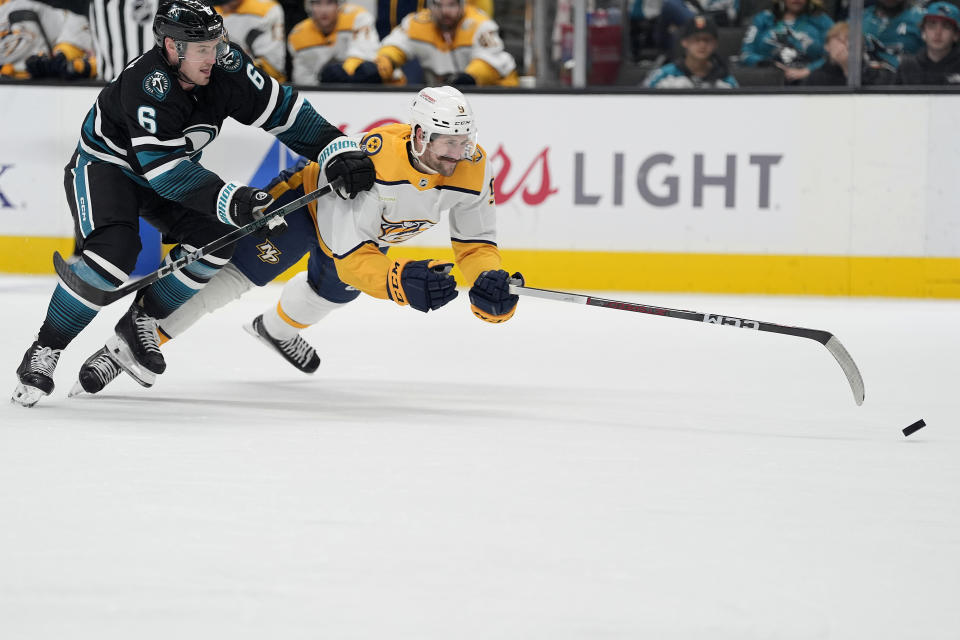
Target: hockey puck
(916, 426)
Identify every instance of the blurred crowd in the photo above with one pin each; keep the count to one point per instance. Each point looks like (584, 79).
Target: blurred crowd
(307, 42)
(730, 43)
(657, 44)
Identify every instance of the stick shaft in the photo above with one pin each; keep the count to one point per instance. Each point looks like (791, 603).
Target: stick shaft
(103, 297)
(825, 338)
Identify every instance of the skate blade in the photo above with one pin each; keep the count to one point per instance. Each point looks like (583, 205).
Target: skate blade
(26, 396)
(121, 354)
(77, 390)
(249, 328)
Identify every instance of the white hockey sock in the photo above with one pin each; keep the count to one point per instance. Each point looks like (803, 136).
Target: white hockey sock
(298, 308)
(226, 285)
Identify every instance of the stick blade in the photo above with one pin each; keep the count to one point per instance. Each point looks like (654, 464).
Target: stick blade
(845, 360)
(82, 288)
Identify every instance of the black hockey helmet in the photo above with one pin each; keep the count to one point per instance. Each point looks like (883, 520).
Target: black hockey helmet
(187, 21)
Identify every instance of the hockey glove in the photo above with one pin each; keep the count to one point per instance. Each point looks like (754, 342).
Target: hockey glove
(238, 205)
(40, 66)
(58, 66)
(490, 297)
(463, 79)
(343, 159)
(366, 73)
(334, 73)
(423, 284)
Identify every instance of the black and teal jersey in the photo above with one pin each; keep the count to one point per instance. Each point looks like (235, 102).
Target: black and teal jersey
(154, 130)
(887, 38)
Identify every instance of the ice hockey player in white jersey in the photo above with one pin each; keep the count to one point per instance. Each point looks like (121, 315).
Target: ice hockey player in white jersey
(41, 41)
(455, 43)
(336, 43)
(257, 26)
(423, 168)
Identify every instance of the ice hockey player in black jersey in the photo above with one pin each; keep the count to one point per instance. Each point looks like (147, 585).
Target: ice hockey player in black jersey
(138, 156)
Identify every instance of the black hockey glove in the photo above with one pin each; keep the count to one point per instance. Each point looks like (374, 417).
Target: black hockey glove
(334, 73)
(38, 66)
(423, 284)
(490, 297)
(239, 205)
(463, 79)
(355, 169)
(366, 73)
(57, 66)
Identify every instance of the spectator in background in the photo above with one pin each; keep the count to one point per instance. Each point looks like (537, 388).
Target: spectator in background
(455, 44)
(674, 14)
(789, 36)
(939, 61)
(834, 71)
(891, 28)
(336, 43)
(643, 20)
(40, 41)
(700, 67)
(390, 13)
(257, 27)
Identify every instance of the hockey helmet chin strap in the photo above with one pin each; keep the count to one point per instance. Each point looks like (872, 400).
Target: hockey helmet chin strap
(417, 154)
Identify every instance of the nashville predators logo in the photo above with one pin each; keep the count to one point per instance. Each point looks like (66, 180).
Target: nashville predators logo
(373, 144)
(268, 252)
(396, 232)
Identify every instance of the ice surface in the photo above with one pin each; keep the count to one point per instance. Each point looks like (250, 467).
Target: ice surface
(574, 473)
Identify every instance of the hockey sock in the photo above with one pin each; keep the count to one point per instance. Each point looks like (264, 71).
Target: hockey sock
(68, 314)
(167, 294)
(299, 307)
(225, 286)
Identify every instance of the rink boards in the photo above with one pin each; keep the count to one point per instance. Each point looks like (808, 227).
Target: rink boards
(825, 194)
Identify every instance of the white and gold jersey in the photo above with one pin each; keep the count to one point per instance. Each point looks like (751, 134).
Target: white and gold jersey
(257, 27)
(30, 28)
(354, 40)
(474, 47)
(403, 204)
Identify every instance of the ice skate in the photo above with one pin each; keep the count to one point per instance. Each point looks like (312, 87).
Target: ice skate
(296, 350)
(35, 374)
(136, 346)
(97, 372)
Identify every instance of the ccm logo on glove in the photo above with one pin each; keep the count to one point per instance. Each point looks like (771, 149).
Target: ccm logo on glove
(423, 284)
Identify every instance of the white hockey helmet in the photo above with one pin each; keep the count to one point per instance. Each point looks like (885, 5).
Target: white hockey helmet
(442, 111)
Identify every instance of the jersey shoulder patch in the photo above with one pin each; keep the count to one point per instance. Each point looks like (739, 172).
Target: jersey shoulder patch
(156, 84)
(231, 61)
(372, 143)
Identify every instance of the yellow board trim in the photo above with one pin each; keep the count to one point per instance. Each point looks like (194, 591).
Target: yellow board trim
(908, 277)
(20, 254)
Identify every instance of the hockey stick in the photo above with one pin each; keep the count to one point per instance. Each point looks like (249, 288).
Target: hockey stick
(825, 338)
(103, 297)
